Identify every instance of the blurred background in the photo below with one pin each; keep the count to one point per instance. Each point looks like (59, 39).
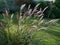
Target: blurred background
(13, 6)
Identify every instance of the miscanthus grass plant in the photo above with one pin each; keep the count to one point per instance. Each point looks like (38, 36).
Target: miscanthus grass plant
(22, 32)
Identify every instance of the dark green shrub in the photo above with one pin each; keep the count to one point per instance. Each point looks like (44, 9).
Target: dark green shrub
(53, 10)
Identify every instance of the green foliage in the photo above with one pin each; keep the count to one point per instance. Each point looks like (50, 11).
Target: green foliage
(53, 10)
(30, 32)
(57, 3)
(56, 12)
(56, 9)
(2, 5)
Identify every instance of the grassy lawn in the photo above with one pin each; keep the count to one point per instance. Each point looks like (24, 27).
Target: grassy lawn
(12, 36)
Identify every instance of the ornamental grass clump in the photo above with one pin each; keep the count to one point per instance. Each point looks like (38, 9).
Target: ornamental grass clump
(29, 22)
(22, 33)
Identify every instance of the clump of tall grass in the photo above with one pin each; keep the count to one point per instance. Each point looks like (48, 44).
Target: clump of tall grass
(22, 33)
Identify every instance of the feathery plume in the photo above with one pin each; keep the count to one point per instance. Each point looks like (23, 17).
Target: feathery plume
(21, 8)
(37, 6)
(35, 9)
(34, 12)
(52, 21)
(33, 27)
(43, 28)
(30, 11)
(45, 9)
(6, 13)
(41, 22)
(29, 6)
(39, 12)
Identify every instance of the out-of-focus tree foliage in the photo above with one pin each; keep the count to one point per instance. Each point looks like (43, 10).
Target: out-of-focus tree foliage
(19, 2)
(57, 3)
(7, 4)
(56, 9)
(2, 5)
(12, 5)
(53, 10)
